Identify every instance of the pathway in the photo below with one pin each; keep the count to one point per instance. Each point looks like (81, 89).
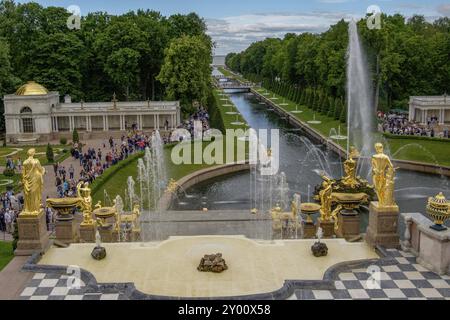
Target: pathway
(13, 280)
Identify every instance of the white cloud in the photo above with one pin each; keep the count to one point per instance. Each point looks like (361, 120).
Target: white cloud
(444, 9)
(236, 33)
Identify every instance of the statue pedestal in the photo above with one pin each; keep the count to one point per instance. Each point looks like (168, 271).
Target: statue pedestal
(87, 233)
(66, 229)
(348, 224)
(327, 227)
(309, 230)
(33, 234)
(382, 228)
(106, 234)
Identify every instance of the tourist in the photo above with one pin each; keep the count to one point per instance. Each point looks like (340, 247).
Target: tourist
(8, 220)
(19, 164)
(71, 171)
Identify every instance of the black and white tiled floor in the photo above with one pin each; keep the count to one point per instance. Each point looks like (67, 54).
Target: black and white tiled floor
(405, 279)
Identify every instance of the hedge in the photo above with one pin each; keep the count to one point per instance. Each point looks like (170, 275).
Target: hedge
(426, 138)
(111, 171)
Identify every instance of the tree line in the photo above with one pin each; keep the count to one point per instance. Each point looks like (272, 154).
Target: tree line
(406, 57)
(139, 55)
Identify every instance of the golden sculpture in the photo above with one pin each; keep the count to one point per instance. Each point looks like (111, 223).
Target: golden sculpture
(439, 209)
(85, 202)
(32, 180)
(383, 173)
(325, 196)
(172, 186)
(350, 169)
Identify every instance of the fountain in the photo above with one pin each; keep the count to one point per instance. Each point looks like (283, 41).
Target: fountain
(296, 110)
(237, 122)
(314, 121)
(359, 92)
(284, 103)
(336, 135)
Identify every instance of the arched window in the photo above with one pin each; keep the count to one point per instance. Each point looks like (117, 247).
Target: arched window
(27, 120)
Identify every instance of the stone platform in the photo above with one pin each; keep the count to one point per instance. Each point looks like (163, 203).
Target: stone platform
(169, 268)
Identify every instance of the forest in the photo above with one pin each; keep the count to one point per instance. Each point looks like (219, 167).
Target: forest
(406, 57)
(139, 55)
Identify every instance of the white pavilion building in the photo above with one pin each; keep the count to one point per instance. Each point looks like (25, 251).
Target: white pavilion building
(423, 108)
(33, 114)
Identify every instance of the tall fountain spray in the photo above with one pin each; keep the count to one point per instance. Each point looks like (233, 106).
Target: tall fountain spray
(359, 96)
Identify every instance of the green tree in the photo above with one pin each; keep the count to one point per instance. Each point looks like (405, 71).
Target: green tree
(186, 70)
(123, 68)
(49, 153)
(75, 136)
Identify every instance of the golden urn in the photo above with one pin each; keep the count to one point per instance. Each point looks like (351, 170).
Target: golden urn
(439, 209)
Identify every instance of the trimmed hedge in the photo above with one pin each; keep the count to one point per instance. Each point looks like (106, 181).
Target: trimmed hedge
(111, 171)
(426, 138)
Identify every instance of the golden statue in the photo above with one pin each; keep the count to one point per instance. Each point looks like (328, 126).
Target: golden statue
(383, 173)
(325, 196)
(350, 169)
(32, 180)
(85, 202)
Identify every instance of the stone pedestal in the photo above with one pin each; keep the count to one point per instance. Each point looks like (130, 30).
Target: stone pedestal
(383, 224)
(33, 234)
(106, 234)
(87, 233)
(327, 228)
(66, 229)
(348, 224)
(309, 230)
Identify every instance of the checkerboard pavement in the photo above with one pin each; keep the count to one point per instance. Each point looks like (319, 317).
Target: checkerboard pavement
(405, 279)
(48, 286)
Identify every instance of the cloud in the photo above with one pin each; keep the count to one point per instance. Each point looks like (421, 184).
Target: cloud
(444, 9)
(236, 33)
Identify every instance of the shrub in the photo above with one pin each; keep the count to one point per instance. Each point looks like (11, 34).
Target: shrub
(75, 136)
(63, 141)
(9, 172)
(396, 136)
(49, 153)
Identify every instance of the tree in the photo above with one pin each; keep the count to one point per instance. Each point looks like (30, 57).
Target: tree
(186, 70)
(123, 68)
(75, 137)
(49, 153)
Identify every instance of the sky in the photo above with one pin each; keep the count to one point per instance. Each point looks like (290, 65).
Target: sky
(235, 24)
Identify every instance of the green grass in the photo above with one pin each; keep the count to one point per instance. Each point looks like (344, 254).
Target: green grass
(227, 118)
(21, 152)
(6, 253)
(434, 152)
(15, 179)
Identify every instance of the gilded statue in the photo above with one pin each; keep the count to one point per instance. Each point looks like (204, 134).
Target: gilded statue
(325, 196)
(383, 173)
(85, 202)
(350, 168)
(33, 181)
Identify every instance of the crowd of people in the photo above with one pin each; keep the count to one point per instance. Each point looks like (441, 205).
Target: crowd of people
(399, 124)
(10, 209)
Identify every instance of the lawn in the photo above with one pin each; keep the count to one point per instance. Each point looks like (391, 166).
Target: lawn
(434, 152)
(9, 181)
(21, 152)
(6, 253)
(227, 118)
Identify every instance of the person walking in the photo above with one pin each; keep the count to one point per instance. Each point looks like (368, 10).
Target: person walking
(8, 220)
(71, 171)
(55, 168)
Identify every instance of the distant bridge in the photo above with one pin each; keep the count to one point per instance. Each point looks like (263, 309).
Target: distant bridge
(223, 82)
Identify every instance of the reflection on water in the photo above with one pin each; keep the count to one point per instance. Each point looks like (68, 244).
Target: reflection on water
(302, 165)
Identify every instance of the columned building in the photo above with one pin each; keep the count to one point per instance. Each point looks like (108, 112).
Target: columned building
(423, 108)
(33, 114)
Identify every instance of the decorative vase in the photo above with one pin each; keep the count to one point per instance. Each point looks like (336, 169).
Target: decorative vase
(439, 209)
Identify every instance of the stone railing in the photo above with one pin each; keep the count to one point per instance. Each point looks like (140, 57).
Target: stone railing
(431, 247)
